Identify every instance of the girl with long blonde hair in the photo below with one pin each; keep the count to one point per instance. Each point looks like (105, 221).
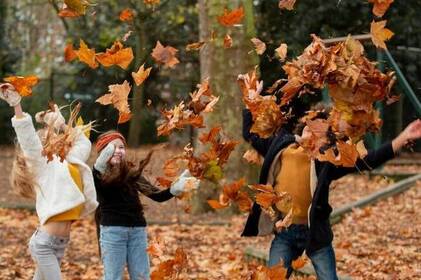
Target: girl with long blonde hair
(63, 188)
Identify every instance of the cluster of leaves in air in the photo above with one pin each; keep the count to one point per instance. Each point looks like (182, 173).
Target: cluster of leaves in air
(59, 141)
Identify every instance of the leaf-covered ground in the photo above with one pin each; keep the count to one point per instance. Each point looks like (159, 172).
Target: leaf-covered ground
(378, 242)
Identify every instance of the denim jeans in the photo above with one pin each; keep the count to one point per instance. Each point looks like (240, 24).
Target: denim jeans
(290, 243)
(47, 251)
(121, 245)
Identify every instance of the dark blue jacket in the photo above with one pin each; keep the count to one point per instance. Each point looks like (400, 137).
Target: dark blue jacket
(321, 233)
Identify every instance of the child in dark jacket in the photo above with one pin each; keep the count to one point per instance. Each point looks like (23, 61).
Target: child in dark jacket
(287, 168)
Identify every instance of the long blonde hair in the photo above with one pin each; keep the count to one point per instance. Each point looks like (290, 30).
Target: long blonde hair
(22, 177)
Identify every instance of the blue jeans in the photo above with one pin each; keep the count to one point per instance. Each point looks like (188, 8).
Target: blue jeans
(290, 243)
(121, 245)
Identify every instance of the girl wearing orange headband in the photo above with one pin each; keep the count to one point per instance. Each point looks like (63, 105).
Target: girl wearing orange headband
(123, 237)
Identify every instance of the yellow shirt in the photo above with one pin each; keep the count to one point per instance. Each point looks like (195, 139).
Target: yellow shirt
(294, 178)
(74, 213)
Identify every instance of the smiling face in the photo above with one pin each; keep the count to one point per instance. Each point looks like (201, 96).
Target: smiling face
(119, 152)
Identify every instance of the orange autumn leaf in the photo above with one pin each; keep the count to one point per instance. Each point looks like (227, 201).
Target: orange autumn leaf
(298, 263)
(286, 4)
(380, 6)
(23, 85)
(259, 46)
(380, 34)
(140, 76)
(116, 55)
(165, 55)
(69, 53)
(118, 98)
(171, 268)
(227, 41)
(68, 13)
(151, 2)
(231, 17)
(86, 55)
(252, 156)
(195, 46)
(164, 182)
(281, 51)
(126, 15)
(73, 8)
(124, 117)
(215, 204)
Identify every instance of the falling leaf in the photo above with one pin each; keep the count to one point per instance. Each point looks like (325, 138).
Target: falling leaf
(23, 85)
(151, 2)
(149, 102)
(127, 35)
(298, 263)
(252, 156)
(227, 41)
(380, 6)
(86, 55)
(380, 34)
(286, 4)
(73, 8)
(140, 76)
(195, 46)
(116, 55)
(69, 53)
(231, 194)
(231, 17)
(281, 51)
(165, 55)
(118, 98)
(285, 222)
(259, 46)
(126, 15)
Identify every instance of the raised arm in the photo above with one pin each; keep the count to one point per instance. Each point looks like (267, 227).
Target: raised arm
(260, 144)
(387, 151)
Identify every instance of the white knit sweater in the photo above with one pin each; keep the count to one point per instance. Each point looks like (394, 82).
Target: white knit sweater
(57, 191)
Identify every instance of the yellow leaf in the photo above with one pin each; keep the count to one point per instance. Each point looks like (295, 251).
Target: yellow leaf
(140, 76)
(380, 34)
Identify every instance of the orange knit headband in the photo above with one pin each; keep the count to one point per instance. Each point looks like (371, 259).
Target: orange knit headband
(103, 140)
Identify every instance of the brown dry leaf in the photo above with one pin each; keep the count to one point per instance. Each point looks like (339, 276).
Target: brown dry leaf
(252, 156)
(267, 116)
(73, 8)
(151, 2)
(285, 222)
(380, 6)
(298, 263)
(23, 85)
(149, 102)
(286, 4)
(116, 55)
(156, 247)
(86, 55)
(227, 41)
(59, 143)
(127, 35)
(69, 53)
(170, 269)
(231, 194)
(281, 52)
(380, 34)
(118, 97)
(165, 55)
(230, 18)
(195, 46)
(140, 76)
(164, 182)
(126, 15)
(259, 46)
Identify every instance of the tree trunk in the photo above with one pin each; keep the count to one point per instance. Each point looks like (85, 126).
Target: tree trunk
(137, 97)
(222, 66)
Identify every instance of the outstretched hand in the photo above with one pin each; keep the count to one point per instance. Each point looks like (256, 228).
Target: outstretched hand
(411, 133)
(9, 94)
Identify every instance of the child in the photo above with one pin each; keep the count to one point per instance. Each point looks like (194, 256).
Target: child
(118, 182)
(287, 167)
(64, 190)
